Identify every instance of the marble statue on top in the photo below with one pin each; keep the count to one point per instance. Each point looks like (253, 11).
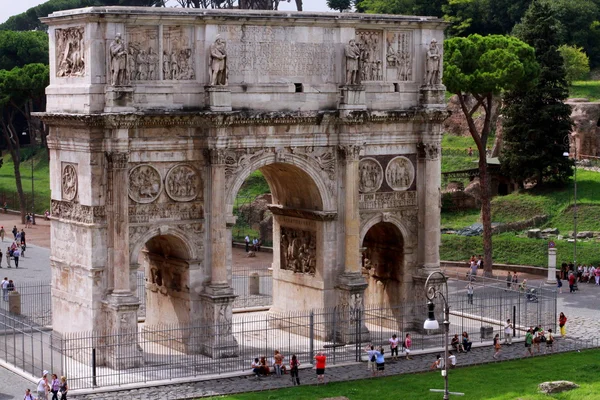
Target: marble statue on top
(218, 63)
(118, 61)
(352, 53)
(433, 63)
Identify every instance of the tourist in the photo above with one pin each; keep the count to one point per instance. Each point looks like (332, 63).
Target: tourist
(294, 364)
(2, 233)
(508, 280)
(8, 256)
(247, 240)
(597, 276)
(27, 220)
(470, 151)
(15, 231)
(456, 344)
(480, 262)
(16, 255)
(4, 285)
(5, 207)
(47, 215)
(278, 363)
(562, 321)
(515, 280)
(558, 283)
(470, 289)
(407, 344)
(23, 242)
(259, 244)
(256, 368)
(255, 244)
(264, 367)
(321, 360)
(523, 286)
(54, 387)
(394, 346)
(437, 364)
(380, 361)
(538, 338)
(64, 388)
(550, 341)
(508, 332)
(1, 258)
(43, 387)
(11, 286)
(28, 395)
(372, 359)
(451, 360)
(466, 342)
(528, 342)
(571, 282)
(496, 345)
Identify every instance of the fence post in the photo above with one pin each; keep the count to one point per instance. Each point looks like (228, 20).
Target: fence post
(514, 319)
(311, 336)
(94, 383)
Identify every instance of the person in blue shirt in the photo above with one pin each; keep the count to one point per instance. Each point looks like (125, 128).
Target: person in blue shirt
(380, 361)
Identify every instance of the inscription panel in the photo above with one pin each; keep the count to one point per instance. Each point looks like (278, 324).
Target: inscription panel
(386, 200)
(274, 52)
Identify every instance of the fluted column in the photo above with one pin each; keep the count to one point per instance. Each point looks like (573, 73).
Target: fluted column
(430, 202)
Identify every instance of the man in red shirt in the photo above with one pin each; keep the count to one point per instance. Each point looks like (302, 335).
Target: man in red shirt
(571, 283)
(320, 358)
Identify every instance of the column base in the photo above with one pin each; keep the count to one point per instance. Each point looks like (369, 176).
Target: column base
(351, 327)
(432, 96)
(218, 98)
(352, 98)
(119, 99)
(119, 349)
(217, 338)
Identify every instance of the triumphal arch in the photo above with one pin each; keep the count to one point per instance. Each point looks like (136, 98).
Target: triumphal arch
(156, 118)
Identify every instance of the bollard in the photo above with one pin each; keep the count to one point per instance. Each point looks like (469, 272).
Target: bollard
(14, 302)
(254, 284)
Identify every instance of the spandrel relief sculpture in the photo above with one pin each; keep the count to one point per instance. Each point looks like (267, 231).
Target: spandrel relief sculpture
(433, 63)
(183, 183)
(298, 250)
(178, 60)
(218, 63)
(142, 57)
(145, 183)
(370, 175)
(399, 173)
(399, 56)
(69, 182)
(118, 61)
(370, 63)
(70, 52)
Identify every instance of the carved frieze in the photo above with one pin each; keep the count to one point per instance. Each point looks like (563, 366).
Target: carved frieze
(183, 183)
(178, 60)
(298, 250)
(70, 211)
(399, 56)
(136, 233)
(153, 212)
(370, 63)
(399, 173)
(370, 175)
(70, 52)
(387, 200)
(143, 60)
(69, 181)
(145, 183)
(410, 219)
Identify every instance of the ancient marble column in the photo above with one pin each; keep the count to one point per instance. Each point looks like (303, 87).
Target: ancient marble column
(217, 298)
(351, 283)
(430, 203)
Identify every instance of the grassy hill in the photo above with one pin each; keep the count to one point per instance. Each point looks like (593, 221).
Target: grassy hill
(41, 180)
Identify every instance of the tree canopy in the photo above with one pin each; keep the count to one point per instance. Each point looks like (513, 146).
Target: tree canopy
(20, 48)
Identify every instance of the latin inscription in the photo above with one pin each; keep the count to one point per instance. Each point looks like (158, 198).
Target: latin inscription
(380, 201)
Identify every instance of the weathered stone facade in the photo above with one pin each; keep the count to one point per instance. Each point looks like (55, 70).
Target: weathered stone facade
(147, 158)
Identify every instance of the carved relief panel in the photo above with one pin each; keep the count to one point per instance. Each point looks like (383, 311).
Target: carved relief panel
(178, 54)
(70, 52)
(370, 175)
(145, 183)
(143, 60)
(370, 62)
(399, 56)
(298, 250)
(183, 183)
(399, 173)
(69, 181)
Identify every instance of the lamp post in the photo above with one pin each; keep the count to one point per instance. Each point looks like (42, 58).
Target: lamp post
(32, 190)
(432, 292)
(567, 154)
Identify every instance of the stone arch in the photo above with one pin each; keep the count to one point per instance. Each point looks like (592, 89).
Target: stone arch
(386, 217)
(140, 242)
(292, 162)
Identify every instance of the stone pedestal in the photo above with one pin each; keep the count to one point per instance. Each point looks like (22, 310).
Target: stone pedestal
(432, 96)
(119, 99)
(217, 338)
(352, 97)
(14, 302)
(350, 325)
(551, 266)
(218, 98)
(119, 348)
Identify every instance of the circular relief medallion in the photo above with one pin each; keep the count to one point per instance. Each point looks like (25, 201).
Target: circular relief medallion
(399, 173)
(69, 182)
(182, 183)
(370, 175)
(145, 183)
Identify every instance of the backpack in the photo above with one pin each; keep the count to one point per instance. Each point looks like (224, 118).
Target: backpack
(373, 358)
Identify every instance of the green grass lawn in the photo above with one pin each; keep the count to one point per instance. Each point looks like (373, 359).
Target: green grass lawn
(585, 89)
(41, 180)
(508, 380)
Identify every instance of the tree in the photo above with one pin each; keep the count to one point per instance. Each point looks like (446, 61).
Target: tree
(484, 66)
(483, 16)
(405, 7)
(21, 93)
(339, 5)
(575, 62)
(20, 48)
(536, 118)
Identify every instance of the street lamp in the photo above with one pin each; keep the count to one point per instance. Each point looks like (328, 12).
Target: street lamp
(567, 154)
(432, 292)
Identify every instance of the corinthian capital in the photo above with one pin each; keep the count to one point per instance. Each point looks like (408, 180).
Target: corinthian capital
(349, 152)
(429, 151)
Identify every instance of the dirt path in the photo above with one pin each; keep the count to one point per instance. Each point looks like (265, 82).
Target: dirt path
(38, 234)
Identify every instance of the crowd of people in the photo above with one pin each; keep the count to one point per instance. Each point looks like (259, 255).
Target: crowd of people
(277, 366)
(17, 248)
(573, 275)
(46, 386)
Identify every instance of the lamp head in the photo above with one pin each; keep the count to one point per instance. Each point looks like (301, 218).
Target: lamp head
(431, 322)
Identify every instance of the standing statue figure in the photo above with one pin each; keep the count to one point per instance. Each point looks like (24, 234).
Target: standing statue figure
(118, 61)
(434, 59)
(152, 64)
(352, 53)
(218, 63)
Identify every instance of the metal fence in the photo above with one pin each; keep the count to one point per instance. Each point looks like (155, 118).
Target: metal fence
(35, 303)
(253, 286)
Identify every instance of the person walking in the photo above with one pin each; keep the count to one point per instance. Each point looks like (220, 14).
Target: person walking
(64, 388)
(4, 285)
(372, 359)
(15, 231)
(571, 282)
(54, 387)
(407, 344)
(597, 276)
(23, 241)
(496, 345)
(508, 280)
(562, 322)
(558, 283)
(16, 255)
(294, 364)
(394, 346)
(508, 332)
(28, 395)
(8, 255)
(528, 343)
(247, 240)
(550, 341)
(470, 289)
(43, 387)
(321, 360)
(2, 233)
(515, 280)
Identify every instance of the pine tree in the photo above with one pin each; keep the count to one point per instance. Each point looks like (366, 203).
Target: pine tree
(537, 121)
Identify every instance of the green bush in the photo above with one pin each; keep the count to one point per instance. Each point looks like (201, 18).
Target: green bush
(576, 62)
